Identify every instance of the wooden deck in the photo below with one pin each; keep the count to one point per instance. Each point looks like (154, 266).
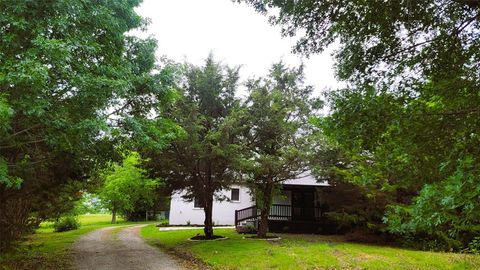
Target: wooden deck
(281, 214)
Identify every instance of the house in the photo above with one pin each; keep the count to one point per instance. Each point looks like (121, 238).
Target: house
(191, 213)
(300, 201)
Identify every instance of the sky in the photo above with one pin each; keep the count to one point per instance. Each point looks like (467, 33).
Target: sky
(188, 30)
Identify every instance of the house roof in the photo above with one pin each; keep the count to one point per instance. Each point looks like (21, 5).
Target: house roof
(306, 179)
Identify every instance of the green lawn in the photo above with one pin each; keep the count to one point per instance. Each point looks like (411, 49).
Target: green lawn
(302, 252)
(47, 249)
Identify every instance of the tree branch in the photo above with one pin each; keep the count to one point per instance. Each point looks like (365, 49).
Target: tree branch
(24, 130)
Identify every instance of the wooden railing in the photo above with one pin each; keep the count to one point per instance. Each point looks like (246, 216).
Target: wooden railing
(245, 214)
(279, 212)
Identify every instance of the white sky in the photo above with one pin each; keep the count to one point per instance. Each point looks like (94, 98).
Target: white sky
(235, 33)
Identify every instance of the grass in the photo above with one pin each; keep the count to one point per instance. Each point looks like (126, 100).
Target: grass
(46, 249)
(302, 252)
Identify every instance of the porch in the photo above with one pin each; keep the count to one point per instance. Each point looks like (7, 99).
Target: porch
(299, 207)
(279, 212)
(282, 218)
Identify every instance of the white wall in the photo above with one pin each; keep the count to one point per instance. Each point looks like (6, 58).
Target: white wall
(182, 212)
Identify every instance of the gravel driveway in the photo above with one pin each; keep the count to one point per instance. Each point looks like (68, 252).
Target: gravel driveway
(105, 249)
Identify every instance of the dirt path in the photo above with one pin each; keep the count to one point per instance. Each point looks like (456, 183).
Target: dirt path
(107, 249)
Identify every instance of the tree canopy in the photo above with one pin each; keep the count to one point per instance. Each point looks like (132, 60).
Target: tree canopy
(408, 119)
(126, 187)
(71, 82)
(200, 161)
(275, 146)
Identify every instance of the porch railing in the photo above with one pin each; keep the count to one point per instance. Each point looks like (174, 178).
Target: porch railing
(249, 213)
(279, 212)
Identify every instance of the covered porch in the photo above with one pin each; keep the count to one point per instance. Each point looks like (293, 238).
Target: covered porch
(298, 208)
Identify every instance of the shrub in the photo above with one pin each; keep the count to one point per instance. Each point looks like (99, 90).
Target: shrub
(343, 221)
(163, 223)
(67, 223)
(474, 246)
(249, 228)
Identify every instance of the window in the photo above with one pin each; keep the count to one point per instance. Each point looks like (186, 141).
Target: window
(235, 194)
(197, 203)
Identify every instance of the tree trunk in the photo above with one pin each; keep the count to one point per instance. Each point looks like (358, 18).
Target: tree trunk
(265, 209)
(114, 215)
(146, 215)
(207, 208)
(263, 226)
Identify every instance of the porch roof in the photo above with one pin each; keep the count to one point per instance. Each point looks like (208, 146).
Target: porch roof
(306, 179)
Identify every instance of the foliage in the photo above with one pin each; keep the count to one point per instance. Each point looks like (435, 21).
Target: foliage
(384, 40)
(346, 208)
(346, 205)
(72, 82)
(408, 117)
(474, 246)
(66, 223)
(200, 160)
(416, 158)
(275, 120)
(126, 187)
(448, 210)
(163, 223)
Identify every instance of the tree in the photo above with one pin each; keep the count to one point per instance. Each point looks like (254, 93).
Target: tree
(347, 207)
(126, 186)
(200, 162)
(71, 82)
(275, 117)
(409, 114)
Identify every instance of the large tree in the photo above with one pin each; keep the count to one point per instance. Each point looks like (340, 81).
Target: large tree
(200, 162)
(126, 187)
(409, 116)
(71, 80)
(275, 117)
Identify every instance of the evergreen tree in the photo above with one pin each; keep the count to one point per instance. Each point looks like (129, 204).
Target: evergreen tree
(200, 161)
(275, 117)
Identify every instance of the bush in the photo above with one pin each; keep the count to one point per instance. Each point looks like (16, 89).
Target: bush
(248, 228)
(342, 221)
(474, 246)
(67, 223)
(163, 223)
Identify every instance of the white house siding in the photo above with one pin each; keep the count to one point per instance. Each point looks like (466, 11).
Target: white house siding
(183, 212)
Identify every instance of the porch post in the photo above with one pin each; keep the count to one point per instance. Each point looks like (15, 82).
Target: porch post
(236, 218)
